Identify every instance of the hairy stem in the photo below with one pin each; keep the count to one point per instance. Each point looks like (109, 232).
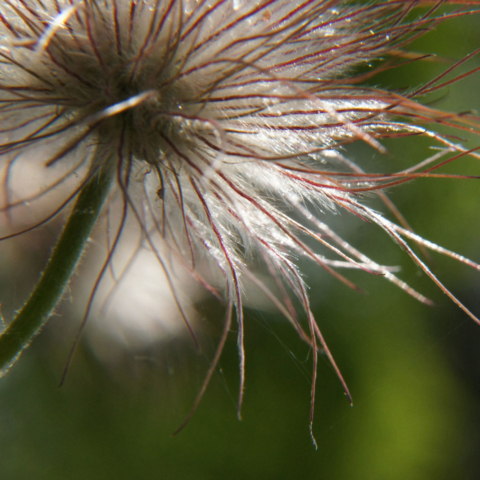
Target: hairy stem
(58, 272)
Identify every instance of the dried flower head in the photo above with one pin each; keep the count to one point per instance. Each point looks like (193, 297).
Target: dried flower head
(220, 125)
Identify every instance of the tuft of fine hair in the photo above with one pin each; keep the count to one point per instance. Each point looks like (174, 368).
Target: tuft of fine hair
(224, 122)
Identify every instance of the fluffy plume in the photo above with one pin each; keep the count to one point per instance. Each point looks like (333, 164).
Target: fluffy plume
(223, 122)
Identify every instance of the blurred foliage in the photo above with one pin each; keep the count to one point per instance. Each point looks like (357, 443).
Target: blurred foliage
(412, 369)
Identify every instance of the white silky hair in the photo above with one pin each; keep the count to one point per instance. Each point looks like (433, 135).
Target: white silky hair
(225, 122)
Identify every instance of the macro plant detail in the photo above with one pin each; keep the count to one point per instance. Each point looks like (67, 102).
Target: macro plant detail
(220, 126)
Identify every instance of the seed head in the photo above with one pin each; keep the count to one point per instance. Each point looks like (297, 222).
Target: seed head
(223, 122)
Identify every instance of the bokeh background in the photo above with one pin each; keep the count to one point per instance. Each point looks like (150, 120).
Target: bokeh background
(413, 370)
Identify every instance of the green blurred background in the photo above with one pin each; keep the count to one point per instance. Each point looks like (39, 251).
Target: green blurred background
(413, 370)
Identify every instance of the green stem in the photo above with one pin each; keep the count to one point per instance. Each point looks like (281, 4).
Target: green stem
(58, 272)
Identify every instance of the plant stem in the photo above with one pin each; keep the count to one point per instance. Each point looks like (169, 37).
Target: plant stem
(58, 272)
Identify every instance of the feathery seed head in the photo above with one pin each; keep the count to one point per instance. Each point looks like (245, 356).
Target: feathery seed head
(223, 121)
